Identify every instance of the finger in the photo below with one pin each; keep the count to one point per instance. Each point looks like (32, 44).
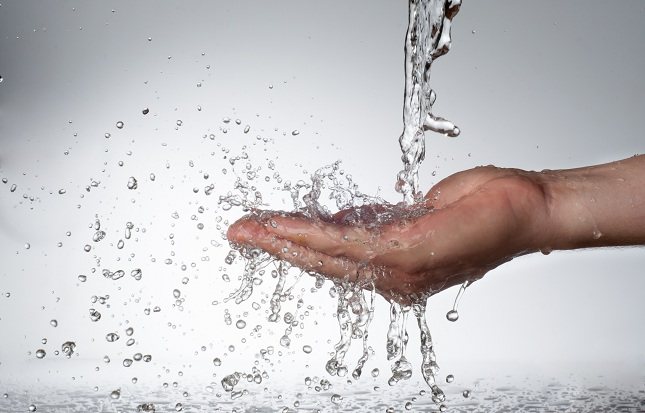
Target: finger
(356, 243)
(250, 232)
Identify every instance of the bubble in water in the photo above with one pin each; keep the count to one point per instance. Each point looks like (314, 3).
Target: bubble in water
(116, 394)
(452, 315)
(132, 183)
(119, 124)
(40, 353)
(240, 324)
(450, 378)
(307, 349)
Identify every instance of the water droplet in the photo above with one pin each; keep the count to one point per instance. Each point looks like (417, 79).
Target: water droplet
(94, 315)
(120, 244)
(450, 378)
(13, 188)
(466, 393)
(40, 353)
(179, 407)
(132, 183)
(32, 407)
(61, 191)
(247, 128)
(87, 248)
(27, 245)
(375, 372)
(336, 398)
(295, 132)
(111, 337)
(119, 124)
(240, 324)
(145, 111)
(53, 323)
(179, 122)
(116, 394)
(307, 349)
(68, 348)
(217, 362)
(176, 293)
(127, 362)
(129, 331)
(452, 315)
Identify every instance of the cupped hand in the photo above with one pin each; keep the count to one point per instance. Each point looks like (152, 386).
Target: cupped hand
(468, 224)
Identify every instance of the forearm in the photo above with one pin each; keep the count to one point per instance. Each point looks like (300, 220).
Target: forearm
(597, 206)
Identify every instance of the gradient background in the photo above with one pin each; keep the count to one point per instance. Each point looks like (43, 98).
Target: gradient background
(531, 85)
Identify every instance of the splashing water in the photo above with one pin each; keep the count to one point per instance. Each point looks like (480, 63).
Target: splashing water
(427, 38)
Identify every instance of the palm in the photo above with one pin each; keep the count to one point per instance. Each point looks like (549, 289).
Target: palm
(470, 223)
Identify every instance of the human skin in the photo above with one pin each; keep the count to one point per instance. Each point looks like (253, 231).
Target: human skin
(476, 220)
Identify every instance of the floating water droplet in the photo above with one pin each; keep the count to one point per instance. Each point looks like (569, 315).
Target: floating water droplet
(336, 398)
(87, 248)
(120, 245)
(68, 348)
(132, 183)
(179, 407)
(127, 362)
(176, 293)
(27, 245)
(40, 353)
(32, 407)
(240, 324)
(94, 315)
(179, 122)
(119, 124)
(375, 372)
(145, 111)
(217, 362)
(116, 394)
(129, 331)
(111, 337)
(450, 378)
(53, 323)
(295, 132)
(452, 315)
(13, 188)
(307, 349)
(247, 128)
(466, 393)
(61, 191)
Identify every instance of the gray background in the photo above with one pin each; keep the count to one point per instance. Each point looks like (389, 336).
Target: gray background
(532, 85)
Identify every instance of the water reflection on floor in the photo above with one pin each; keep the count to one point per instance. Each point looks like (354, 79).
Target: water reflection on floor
(491, 396)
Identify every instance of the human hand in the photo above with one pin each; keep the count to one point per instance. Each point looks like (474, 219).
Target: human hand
(469, 223)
